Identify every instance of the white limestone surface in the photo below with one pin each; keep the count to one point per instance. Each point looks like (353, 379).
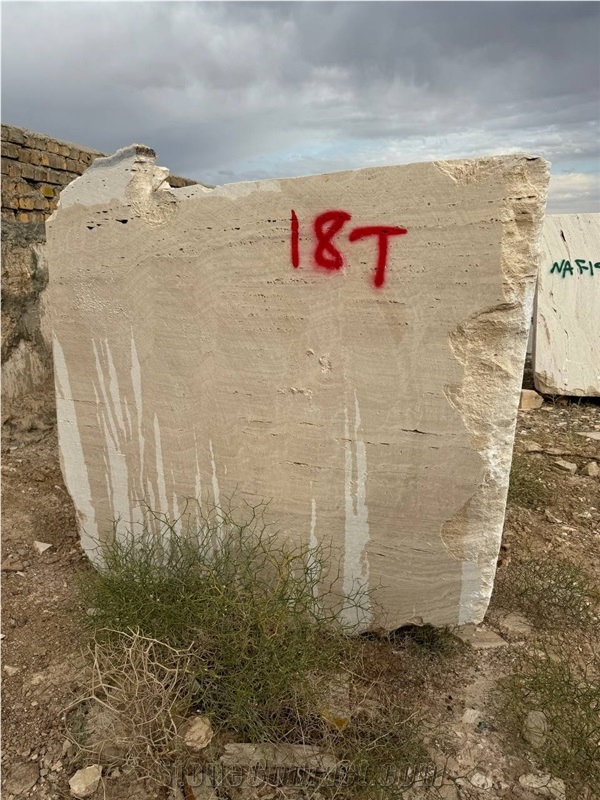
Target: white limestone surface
(567, 320)
(262, 340)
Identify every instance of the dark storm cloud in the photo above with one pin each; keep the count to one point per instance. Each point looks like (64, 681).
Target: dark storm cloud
(243, 90)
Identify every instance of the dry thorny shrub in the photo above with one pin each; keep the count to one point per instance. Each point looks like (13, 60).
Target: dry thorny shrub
(551, 591)
(140, 688)
(227, 620)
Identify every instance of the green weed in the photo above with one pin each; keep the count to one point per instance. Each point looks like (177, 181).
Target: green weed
(551, 592)
(567, 691)
(528, 485)
(226, 619)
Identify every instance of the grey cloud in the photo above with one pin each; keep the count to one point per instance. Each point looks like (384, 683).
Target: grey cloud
(224, 89)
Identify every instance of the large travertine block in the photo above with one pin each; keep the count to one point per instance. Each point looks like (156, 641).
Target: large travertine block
(567, 318)
(257, 338)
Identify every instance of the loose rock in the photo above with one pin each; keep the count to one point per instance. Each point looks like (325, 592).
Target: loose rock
(551, 518)
(85, 781)
(470, 716)
(567, 466)
(481, 781)
(480, 638)
(544, 785)
(12, 566)
(533, 447)
(590, 434)
(197, 733)
(22, 778)
(515, 624)
(530, 400)
(535, 728)
(41, 547)
(592, 469)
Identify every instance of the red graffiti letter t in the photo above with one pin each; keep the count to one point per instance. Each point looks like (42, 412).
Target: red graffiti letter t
(382, 232)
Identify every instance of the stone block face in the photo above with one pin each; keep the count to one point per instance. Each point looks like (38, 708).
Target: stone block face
(211, 343)
(566, 353)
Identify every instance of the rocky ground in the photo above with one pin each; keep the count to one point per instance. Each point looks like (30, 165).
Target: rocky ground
(43, 668)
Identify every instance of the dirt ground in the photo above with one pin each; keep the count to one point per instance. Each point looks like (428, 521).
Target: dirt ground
(43, 666)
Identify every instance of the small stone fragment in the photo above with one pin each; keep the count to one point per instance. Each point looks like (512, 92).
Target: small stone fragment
(530, 400)
(197, 733)
(533, 447)
(592, 469)
(41, 547)
(10, 671)
(481, 781)
(470, 716)
(535, 728)
(590, 434)
(480, 638)
(85, 781)
(567, 466)
(22, 778)
(551, 518)
(544, 785)
(12, 566)
(514, 624)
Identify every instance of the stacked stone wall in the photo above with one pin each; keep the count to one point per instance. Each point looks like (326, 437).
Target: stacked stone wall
(35, 168)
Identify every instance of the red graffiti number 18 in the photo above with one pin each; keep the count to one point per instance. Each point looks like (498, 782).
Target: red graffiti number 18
(327, 256)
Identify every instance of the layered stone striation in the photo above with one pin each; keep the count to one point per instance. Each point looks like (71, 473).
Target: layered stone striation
(348, 346)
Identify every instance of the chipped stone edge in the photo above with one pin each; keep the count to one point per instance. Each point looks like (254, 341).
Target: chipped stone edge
(504, 331)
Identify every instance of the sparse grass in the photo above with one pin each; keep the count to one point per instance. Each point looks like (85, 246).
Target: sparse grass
(227, 620)
(528, 485)
(559, 673)
(552, 592)
(567, 691)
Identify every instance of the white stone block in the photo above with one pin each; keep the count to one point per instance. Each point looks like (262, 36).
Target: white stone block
(567, 320)
(206, 344)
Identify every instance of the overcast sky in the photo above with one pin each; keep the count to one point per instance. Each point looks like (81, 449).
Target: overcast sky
(237, 91)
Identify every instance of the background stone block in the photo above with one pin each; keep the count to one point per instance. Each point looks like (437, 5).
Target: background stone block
(567, 320)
